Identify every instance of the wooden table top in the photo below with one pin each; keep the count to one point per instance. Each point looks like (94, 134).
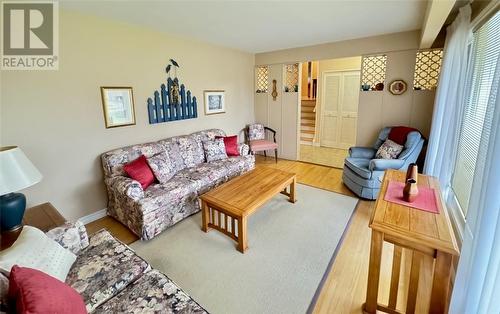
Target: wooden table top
(244, 194)
(414, 225)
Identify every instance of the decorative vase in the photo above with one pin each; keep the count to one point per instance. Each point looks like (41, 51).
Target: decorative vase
(412, 172)
(410, 191)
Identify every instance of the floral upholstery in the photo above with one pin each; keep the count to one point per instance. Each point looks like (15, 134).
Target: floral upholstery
(389, 150)
(149, 212)
(111, 278)
(72, 236)
(103, 269)
(256, 132)
(214, 149)
(152, 293)
(125, 186)
(162, 167)
(191, 151)
(235, 166)
(243, 149)
(174, 153)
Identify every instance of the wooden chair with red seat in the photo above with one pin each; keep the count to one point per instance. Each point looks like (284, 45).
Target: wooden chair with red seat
(259, 139)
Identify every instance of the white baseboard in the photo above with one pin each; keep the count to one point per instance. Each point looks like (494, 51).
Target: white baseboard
(93, 217)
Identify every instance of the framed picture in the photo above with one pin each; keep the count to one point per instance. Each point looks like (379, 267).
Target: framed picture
(214, 101)
(398, 87)
(118, 106)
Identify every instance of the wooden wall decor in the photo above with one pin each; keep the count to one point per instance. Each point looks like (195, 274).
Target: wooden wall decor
(172, 103)
(275, 92)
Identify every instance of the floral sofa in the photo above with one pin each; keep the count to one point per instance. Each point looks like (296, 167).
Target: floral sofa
(149, 212)
(111, 278)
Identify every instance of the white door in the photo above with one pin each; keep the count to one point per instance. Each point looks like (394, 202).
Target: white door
(339, 115)
(330, 108)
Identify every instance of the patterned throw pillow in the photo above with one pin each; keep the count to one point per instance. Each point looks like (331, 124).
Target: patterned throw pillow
(215, 150)
(256, 132)
(162, 168)
(389, 150)
(191, 150)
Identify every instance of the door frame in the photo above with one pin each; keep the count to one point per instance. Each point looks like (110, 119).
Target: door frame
(320, 112)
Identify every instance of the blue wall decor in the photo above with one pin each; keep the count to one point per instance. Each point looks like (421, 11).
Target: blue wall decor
(172, 103)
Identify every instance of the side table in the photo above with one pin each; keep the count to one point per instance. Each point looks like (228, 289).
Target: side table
(43, 216)
(420, 231)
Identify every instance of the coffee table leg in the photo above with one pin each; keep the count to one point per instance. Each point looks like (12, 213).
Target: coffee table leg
(205, 216)
(292, 190)
(242, 234)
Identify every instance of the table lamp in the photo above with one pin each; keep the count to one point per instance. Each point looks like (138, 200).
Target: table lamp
(16, 173)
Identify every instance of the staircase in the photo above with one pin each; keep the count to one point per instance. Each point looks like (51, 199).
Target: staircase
(307, 121)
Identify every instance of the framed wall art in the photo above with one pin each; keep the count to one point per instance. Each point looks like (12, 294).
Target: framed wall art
(118, 106)
(214, 102)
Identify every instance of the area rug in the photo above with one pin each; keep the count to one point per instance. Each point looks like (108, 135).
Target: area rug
(290, 248)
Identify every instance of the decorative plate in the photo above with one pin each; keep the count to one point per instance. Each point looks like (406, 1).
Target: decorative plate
(398, 87)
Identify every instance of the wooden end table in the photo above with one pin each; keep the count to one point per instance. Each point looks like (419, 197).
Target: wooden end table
(43, 216)
(420, 231)
(228, 207)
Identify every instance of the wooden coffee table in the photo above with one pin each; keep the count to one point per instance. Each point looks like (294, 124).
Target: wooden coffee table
(227, 207)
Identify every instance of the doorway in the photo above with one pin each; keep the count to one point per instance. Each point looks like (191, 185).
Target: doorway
(329, 117)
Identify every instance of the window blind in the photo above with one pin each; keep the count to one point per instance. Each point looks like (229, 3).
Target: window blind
(483, 80)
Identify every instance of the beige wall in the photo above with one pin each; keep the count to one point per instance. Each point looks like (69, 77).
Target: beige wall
(56, 116)
(381, 109)
(341, 49)
(280, 114)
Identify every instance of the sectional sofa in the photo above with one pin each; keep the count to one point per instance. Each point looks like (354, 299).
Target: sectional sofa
(111, 278)
(149, 212)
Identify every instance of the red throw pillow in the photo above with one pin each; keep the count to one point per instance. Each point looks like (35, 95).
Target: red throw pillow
(37, 292)
(231, 143)
(398, 134)
(139, 170)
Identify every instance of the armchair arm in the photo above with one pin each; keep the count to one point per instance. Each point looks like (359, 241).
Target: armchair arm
(384, 164)
(243, 149)
(272, 131)
(72, 236)
(126, 186)
(362, 152)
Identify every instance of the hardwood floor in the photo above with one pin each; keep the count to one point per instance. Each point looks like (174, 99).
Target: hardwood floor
(344, 290)
(320, 155)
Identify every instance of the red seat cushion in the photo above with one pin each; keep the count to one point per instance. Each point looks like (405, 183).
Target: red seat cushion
(398, 134)
(140, 171)
(260, 145)
(37, 292)
(231, 143)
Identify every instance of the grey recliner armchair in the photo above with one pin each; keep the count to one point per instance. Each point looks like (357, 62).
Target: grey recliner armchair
(363, 174)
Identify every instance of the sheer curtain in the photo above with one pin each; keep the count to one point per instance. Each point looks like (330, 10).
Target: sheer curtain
(448, 107)
(477, 284)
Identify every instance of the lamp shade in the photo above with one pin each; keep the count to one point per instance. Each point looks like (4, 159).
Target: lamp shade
(16, 170)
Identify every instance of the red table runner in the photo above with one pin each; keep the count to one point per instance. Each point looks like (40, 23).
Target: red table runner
(425, 200)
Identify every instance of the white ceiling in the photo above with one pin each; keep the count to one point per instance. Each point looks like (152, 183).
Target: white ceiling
(260, 26)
